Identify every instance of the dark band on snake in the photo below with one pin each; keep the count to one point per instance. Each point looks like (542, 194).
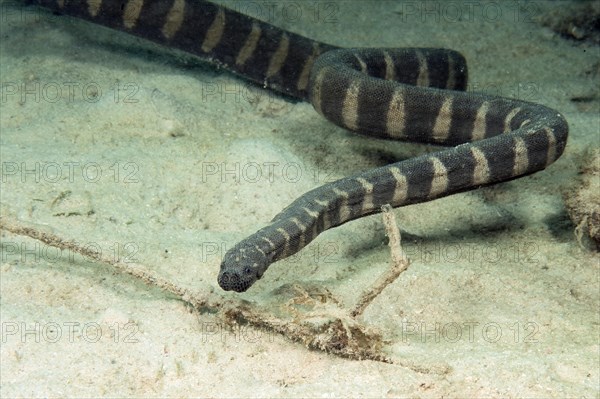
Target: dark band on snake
(410, 94)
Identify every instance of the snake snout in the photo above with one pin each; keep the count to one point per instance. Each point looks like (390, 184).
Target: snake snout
(232, 281)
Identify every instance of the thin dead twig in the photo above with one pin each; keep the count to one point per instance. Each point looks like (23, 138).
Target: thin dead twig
(398, 264)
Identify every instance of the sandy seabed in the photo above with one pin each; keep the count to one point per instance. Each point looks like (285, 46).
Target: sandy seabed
(152, 157)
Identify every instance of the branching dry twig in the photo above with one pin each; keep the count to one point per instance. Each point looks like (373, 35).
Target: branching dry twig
(338, 336)
(398, 264)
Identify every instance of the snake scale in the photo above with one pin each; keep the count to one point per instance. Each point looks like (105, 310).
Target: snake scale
(411, 94)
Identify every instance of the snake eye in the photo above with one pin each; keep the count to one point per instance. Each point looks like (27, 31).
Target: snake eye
(248, 270)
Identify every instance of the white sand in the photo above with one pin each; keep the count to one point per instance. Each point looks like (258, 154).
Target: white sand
(500, 300)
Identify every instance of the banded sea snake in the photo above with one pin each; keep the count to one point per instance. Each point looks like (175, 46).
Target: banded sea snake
(406, 94)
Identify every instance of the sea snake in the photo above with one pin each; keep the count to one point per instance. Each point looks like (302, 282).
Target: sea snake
(411, 94)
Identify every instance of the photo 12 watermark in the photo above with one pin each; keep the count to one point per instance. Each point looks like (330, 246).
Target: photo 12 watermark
(38, 252)
(317, 253)
(51, 92)
(69, 172)
(467, 11)
(520, 252)
(266, 171)
(471, 332)
(288, 11)
(68, 332)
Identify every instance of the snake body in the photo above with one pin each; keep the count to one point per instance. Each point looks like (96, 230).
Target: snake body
(405, 94)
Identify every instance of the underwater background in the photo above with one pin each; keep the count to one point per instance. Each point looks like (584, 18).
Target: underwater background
(151, 157)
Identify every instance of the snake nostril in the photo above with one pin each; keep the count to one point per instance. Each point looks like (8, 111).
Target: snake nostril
(227, 281)
(232, 281)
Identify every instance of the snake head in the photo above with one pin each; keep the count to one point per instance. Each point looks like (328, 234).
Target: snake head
(242, 265)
